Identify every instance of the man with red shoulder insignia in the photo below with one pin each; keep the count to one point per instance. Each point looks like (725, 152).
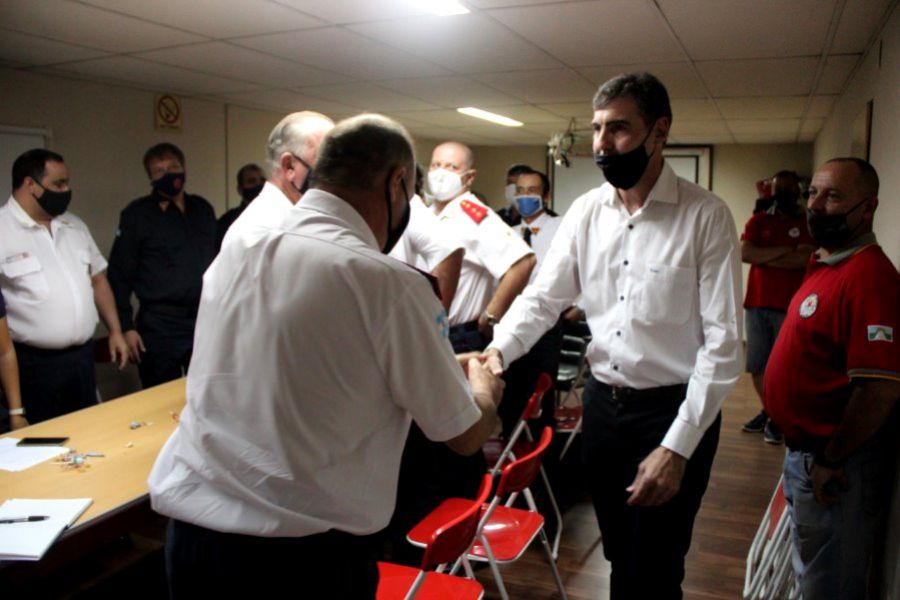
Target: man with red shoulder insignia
(832, 384)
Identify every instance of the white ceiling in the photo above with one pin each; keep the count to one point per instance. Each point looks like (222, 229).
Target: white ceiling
(745, 71)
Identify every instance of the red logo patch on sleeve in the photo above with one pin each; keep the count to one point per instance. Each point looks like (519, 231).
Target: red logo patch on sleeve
(476, 212)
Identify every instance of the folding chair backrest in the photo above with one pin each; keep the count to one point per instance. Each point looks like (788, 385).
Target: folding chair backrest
(543, 384)
(521, 473)
(449, 541)
(779, 504)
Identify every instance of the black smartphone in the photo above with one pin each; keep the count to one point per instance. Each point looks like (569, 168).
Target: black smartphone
(42, 441)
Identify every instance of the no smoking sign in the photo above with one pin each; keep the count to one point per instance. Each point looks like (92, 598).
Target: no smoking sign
(167, 112)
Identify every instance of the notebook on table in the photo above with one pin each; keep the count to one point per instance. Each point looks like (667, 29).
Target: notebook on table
(30, 540)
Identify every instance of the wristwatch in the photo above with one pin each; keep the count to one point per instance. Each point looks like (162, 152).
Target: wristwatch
(490, 319)
(17, 412)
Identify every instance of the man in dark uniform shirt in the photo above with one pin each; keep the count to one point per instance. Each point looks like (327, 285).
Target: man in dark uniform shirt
(164, 243)
(250, 182)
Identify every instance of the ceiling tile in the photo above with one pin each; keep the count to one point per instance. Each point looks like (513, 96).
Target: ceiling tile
(452, 92)
(547, 129)
(344, 52)
(568, 110)
(760, 77)
(552, 85)
(807, 137)
(31, 50)
(698, 127)
(765, 138)
(857, 25)
(154, 75)
(771, 107)
(693, 108)
(368, 96)
(727, 29)
(774, 126)
(440, 134)
(679, 78)
(88, 26)
(290, 101)
(485, 4)
(226, 60)
(466, 43)
(357, 11)
(821, 106)
(527, 114)
(215, 18)
(583, 34)
(812, 126)
(837, 70)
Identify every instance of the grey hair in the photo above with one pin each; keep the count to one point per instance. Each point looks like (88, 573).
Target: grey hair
(293, 134)
(359, 151)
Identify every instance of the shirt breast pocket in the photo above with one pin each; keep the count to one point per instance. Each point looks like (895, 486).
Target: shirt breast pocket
(27, 278)
(667, 294)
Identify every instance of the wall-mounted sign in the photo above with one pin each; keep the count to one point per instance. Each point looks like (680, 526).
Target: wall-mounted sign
(167, 113)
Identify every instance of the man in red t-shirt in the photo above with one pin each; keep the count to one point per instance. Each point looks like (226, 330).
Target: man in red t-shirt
(832, 385)
(777, 245)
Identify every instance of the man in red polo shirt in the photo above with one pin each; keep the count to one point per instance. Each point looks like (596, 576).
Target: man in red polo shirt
(777, 245)
(832, 385)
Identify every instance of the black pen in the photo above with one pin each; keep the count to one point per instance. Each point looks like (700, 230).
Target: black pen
(31, 519)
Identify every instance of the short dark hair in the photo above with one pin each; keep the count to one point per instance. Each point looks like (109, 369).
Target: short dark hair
(787, 174)
(647, 91)
(246, 169)
(868, 176)
(420, 180)
(518, 169)
(545, 181)
(161, 151)
(32, 164)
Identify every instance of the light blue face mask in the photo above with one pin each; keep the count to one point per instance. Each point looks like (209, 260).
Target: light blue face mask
(529, 206)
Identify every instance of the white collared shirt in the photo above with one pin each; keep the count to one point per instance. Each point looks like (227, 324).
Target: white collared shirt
(312, 351)
(661, 290)
(424, 244)
(46, 278)
(492, 247)
(543, 228)
(266, 211)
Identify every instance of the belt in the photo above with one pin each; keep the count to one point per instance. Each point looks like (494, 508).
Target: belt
(464, 327)
(25, 349)
(172, 310)
(627, 394)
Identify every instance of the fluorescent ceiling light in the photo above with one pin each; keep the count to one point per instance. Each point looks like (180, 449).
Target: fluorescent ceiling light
(489, 116)
(443, 8)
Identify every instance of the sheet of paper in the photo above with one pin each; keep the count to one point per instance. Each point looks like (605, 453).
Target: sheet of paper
(18, 458)
(29, 541)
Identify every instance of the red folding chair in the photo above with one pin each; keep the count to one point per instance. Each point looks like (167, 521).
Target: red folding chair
(447, 544)
(769, 573)
(516, 446)
(505, 532)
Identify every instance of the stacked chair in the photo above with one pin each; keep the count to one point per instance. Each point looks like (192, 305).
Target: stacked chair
(769, 575)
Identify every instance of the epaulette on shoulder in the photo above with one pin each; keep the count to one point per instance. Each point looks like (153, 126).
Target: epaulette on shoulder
(476, 212)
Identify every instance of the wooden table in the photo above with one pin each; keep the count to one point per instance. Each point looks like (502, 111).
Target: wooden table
(117, 483)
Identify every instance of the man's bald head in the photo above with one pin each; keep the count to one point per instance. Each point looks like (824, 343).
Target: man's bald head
(460, 153)
(299, 134)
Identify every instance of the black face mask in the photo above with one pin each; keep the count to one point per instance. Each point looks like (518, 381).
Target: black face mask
(309, 175)
(54, 203)
(249, 194)
(169, 185)
(831, 231)
(623, 171)
(394, 235)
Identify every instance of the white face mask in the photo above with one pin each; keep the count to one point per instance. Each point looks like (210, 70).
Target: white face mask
(510, 193)
(444, 185)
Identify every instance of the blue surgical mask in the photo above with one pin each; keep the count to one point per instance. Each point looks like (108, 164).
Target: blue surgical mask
(528, 206)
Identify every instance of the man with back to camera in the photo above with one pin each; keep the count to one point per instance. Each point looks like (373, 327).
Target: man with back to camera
(53, 279)
(163, 245)
(291, 151)
(656, 261)
(832, 386)
(250, 181)
(777, 246)
(426, 246)
(285, 462)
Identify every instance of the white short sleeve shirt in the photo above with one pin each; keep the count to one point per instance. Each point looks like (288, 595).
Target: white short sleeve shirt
(424, 244)
(266, 211)
(543, 228)
(492, 247)
(312, 352)
(46, 278)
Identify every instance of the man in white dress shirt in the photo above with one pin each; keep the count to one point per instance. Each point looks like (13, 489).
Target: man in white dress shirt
(53, 278)
(657, 263)
(291, 152)
(285, 462)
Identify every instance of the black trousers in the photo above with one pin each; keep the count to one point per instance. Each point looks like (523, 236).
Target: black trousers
(646, 545)
(169, 340)
(201, 563)
(56, 382)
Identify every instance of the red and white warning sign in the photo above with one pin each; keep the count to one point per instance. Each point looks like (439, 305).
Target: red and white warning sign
(167, 112)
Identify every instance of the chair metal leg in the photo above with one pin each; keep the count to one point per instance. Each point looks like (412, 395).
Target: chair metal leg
(494, 569)
(559, 583)
(572, 435)
(559, 524)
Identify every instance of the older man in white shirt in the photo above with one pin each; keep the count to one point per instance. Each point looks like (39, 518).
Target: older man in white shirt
(657, 264)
